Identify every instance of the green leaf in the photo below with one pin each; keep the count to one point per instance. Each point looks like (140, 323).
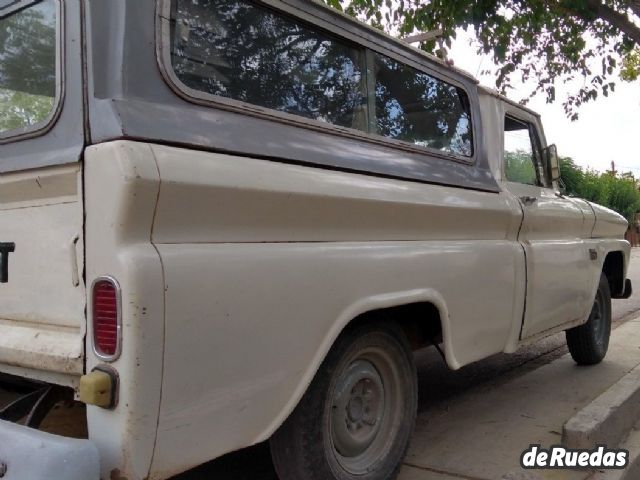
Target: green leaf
(544, 40)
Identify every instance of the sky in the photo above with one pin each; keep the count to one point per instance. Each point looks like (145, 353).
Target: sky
(607, 130)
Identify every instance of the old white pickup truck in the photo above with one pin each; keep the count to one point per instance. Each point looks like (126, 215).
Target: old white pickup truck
(227, 221)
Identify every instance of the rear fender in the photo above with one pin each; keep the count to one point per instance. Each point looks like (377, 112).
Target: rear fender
(363, 306)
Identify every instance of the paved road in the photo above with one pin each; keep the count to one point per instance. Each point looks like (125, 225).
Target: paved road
(438, 385)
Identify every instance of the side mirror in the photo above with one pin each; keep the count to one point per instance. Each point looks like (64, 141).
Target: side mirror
(553, 163)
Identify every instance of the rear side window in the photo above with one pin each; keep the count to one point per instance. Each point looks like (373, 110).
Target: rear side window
(243, 51)
(27, 67)
(238, 50)
(418, 108)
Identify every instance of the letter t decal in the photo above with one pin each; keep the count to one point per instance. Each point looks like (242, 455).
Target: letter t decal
(5, 250)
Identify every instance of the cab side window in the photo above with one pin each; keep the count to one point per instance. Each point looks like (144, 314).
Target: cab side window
(522, 162)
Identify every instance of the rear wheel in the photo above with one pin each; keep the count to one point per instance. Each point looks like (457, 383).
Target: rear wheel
(588, 343)
(356, 418)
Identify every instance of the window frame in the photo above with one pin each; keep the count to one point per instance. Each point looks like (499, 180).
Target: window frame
(163, 54)
(44, 126)
(537, 143)
(16, 6)
(536, 151)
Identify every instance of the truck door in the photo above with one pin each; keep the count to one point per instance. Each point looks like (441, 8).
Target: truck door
(551, 233)
(42, 296)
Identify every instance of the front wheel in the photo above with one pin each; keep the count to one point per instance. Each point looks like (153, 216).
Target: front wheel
(355, 420)
(588, 343)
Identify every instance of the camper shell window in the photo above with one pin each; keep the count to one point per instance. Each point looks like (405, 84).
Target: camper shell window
(419, 108)
(239, 51)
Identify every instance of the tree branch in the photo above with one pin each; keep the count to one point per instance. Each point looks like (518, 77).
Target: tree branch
(616, 19)
(596, 9)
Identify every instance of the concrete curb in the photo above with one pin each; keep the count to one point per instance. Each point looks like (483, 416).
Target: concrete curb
(632, 472)
(608, 418)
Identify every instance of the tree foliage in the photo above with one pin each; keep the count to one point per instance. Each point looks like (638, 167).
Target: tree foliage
(538, 40)
(631, 66)
(519, 167)
(19, 109)
(618, 192)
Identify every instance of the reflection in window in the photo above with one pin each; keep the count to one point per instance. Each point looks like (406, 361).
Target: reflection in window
(519, 159)
(27, 66)
(247, 52)
(421, 109)
(238, 50)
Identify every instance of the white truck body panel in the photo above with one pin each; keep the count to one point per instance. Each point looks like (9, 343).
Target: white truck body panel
(292, 246)
(123, 180)
(293, 264)
(42, 313)
(244, 240)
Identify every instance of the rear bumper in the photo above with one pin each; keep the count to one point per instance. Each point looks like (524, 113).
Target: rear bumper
(28, 454)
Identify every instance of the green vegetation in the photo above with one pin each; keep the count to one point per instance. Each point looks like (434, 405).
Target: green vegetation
(20, 109)
(631, 66)
(618, 192)
(519, 167)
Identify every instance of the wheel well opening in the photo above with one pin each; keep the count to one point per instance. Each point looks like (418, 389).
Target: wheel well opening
(420, 322)
(613, 269)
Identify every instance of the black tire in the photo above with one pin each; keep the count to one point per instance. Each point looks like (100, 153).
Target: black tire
(588, 343)
(350, 429)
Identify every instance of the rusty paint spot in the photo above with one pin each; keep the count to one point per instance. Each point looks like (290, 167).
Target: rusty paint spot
(115, 475)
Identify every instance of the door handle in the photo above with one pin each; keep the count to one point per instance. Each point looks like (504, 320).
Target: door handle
(527, 200)
(73, 251)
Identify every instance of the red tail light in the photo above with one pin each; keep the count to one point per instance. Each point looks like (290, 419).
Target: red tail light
(106, 318)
